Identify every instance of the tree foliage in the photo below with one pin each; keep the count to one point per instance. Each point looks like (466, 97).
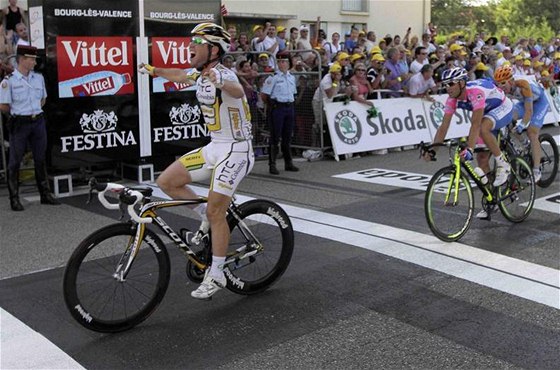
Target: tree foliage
(516, 18)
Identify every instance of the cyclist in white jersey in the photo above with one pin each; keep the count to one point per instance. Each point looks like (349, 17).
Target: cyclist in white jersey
(229, 156)
(491, 109)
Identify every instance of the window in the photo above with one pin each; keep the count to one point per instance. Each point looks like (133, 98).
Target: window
(355, 5)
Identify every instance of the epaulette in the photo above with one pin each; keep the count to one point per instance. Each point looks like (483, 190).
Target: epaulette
(4, 83)
(193, 74)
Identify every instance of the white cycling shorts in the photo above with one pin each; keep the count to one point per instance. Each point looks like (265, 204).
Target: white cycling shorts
(225, 163)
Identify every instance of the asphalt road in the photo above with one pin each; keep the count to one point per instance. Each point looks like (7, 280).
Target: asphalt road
(368, 285)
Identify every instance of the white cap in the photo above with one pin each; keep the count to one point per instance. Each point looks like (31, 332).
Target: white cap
(303, 27)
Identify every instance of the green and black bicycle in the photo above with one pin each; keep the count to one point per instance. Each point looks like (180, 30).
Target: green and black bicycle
(119, 274)
(449, 200)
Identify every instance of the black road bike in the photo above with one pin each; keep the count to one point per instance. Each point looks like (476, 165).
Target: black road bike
(119, 274)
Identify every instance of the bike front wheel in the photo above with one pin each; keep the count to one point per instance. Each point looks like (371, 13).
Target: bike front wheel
(517, 195)
(260, 248)
(97, 297)
(449, 207)
(549, 160)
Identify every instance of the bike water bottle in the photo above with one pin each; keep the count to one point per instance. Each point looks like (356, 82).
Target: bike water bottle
(481, 174)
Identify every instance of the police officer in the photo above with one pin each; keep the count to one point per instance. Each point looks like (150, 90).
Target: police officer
(278, 91)
(22, 95)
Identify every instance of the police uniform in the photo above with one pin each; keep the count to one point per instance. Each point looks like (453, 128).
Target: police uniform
(280, 89)
(26, 125)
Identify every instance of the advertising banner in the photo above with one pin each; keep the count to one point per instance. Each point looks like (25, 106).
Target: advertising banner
(94, 66)
(170, 52)
(400, 122)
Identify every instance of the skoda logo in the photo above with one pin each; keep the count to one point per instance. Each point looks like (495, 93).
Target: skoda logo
(348, 127)
(436, 114)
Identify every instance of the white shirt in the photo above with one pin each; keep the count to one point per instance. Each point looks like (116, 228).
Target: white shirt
(416, 66)
(418, 85)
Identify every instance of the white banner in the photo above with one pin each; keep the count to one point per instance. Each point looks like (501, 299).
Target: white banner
(400, 122)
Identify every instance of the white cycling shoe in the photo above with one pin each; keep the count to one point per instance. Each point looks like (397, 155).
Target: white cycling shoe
(209, 286)
(201, 232)
(502, 173)
(537, 175)
(483, 215)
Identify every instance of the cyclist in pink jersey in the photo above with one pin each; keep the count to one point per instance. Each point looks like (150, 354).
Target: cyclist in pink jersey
(491, 110)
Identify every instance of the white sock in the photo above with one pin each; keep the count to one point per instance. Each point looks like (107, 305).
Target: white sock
(201, 210)
(216, 269)
(501, 161)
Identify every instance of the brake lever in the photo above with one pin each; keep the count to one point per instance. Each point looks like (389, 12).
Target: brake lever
(122, 208)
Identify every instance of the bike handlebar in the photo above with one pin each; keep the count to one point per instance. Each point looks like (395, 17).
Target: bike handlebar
(127, 196)
(428, 148)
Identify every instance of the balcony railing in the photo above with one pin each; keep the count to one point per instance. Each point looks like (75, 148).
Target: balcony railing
(355, 5)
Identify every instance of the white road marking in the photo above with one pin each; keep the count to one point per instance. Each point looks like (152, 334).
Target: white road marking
(24, 348)
(521, 278)
(550, 203)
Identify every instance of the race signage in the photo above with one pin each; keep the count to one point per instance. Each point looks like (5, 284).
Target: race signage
(170, 52)
(94, 66)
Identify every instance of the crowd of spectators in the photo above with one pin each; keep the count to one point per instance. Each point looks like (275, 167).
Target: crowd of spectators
(361, 66)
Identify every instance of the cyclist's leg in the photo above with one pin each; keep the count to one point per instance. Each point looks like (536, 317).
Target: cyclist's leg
(236, 162)
(175, 178)
(494, 121)
(540, 107)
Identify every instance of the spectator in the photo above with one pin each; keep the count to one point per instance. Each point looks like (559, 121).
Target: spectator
(333, 47)
(303, 43)
(361, 87)
(22, 35)
(504, 42)
(420, 59)
(412, 44)
(506, 57)
(322, 63)
(370, 41)
(377, 72)
(13, 15)
(518, 69)
(481, 71)
(343, 59)
(427, 43)
(23, 96)
(396, 40)
(352, 41)
(527, 67)
(330, 86)
(6, 49)
(459, 53)
(243, 43)
(228, 62)
(270, 44)
(396, 76)
(291, 44)
(258, 37)
(383, 46)
(281, 38)
(422, 83)
(248, 77)
(233, 43)
(279, 91)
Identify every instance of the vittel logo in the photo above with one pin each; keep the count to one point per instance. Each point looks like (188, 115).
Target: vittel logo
(173, 52)
(99, 132)
(93, 54)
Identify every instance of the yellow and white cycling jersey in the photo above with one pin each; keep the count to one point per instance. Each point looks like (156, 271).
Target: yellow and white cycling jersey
(228, 119)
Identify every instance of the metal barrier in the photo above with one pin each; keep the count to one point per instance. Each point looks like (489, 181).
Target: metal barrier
(306, 134)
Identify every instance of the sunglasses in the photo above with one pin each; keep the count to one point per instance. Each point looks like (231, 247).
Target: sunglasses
(199, 41)
(360, 70)
(423, 53)
(449, 84)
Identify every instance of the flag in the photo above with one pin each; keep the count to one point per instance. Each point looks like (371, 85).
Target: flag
(223, 10)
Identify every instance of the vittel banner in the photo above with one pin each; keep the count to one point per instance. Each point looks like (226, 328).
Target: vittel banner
(94, 66)
(170, 52)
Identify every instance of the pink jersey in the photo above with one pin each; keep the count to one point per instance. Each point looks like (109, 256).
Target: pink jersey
(481, 94)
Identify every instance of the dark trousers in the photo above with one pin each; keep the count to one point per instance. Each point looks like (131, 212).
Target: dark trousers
(282, 126)
(22, 132)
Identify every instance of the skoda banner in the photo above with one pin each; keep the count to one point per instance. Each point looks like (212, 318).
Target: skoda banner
(100, 111)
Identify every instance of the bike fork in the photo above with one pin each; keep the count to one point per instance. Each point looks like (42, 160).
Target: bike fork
(125, 262)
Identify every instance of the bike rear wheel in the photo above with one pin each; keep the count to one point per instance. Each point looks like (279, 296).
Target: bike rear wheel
(256, 261)
(448, 219)
(517, 195)
(96, 298)
(549, 160)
